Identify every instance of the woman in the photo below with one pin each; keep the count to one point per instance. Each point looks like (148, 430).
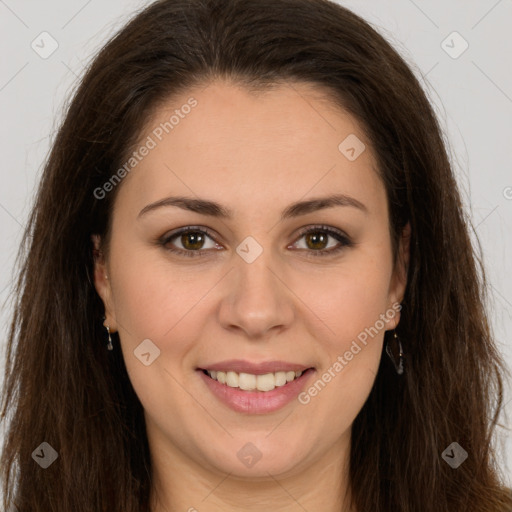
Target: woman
(249, 283)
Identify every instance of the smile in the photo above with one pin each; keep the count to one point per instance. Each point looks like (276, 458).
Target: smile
(251, 382)
(260, 389)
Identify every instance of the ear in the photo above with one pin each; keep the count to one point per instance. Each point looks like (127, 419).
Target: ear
(102, 283)
(399, 277)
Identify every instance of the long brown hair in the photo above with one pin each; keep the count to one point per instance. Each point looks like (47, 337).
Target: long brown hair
(63, 387)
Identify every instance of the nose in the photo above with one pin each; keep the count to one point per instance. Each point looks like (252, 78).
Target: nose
(256, 300)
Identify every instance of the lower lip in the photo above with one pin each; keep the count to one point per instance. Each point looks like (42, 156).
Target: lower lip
(256, 402)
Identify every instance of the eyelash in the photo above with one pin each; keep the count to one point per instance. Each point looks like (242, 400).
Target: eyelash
(338, 235)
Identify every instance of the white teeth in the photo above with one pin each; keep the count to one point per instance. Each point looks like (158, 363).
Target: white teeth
(232, 379)
(266, 382)
(249, 382)
(280, 379)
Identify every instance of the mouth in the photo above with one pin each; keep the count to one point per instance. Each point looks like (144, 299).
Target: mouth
(261, 389)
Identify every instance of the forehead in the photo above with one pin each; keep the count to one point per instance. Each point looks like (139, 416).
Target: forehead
(239, 147)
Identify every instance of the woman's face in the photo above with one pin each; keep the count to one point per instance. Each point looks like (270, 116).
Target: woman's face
(288, 280)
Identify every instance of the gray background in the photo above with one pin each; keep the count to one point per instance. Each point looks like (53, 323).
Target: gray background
(472, 94)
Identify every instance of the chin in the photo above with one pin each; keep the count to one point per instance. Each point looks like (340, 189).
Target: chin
(259, 457)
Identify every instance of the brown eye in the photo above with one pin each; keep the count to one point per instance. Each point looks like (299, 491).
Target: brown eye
(316, 240)
(192, 240)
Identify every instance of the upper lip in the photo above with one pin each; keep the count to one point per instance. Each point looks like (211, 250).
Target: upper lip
(241, 366)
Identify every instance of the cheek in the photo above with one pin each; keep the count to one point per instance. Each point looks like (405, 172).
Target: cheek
(152, 296)
(157, 302)
(350, 298)
(155, 299)
(351, 303)
(351, 349)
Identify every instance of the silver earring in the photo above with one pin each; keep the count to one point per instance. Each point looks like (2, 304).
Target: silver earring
(400, 366)
(109, 346)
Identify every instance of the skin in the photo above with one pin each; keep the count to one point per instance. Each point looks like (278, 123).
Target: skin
(254, 154)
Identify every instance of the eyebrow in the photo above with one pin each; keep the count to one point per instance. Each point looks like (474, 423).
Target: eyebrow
(213, 209)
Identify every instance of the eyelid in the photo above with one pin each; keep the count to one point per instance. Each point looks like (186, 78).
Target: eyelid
(333, 232)
(322, 227)
(336, 233)
(166, 238)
